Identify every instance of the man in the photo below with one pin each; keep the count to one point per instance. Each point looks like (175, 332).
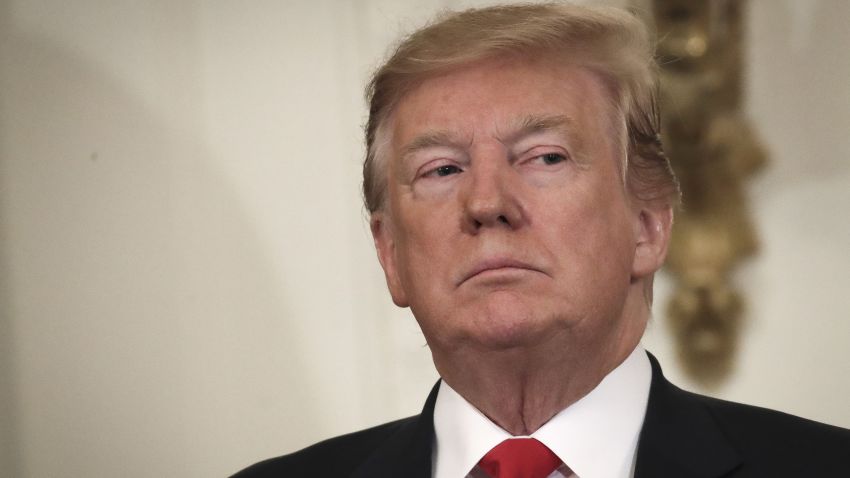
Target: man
(520, 205)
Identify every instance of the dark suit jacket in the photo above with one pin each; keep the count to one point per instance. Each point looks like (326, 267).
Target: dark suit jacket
(684, 435)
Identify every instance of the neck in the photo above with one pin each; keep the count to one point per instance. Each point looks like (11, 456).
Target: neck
(521, 388)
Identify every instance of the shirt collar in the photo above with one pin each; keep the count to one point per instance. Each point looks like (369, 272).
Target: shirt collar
(596, 436)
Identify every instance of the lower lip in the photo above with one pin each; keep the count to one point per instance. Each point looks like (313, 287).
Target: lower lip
(500, 274)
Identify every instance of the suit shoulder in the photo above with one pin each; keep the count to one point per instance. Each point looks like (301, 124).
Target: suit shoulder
(763, 431)
(337, 456)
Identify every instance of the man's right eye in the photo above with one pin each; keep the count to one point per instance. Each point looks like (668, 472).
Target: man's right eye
(446, 170)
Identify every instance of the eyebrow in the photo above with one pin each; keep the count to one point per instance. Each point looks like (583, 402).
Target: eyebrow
(527, 126)
(533, 124)
(431, 139)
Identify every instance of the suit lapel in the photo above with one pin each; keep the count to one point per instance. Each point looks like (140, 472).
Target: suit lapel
(680, 436)
(408, 452)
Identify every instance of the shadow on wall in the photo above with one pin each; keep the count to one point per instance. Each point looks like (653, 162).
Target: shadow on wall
(136, 299)
(9, 448)
(803, 101)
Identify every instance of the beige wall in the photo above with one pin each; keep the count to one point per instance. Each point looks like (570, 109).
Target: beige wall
(796, 344)
(186, 281)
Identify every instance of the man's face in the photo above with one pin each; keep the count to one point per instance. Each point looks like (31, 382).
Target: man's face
(507, 218)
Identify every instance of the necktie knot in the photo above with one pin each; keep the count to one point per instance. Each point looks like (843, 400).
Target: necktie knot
(519, 458)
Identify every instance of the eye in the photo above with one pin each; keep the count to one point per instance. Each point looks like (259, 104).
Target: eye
(444, 170)
(552, 158)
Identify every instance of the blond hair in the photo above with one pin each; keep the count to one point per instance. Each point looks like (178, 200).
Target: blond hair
(610, 42)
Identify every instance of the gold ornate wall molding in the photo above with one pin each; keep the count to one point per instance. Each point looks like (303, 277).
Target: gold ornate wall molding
(714, 151)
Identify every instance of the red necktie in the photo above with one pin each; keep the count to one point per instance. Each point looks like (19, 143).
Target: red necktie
(520, 458)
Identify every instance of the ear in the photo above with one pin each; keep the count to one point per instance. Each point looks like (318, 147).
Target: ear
(383, 235)
(653, 225)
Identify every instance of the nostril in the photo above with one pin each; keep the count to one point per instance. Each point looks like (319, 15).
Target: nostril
(503, 219)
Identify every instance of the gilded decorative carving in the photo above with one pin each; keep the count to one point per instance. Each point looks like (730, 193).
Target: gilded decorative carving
(714, 151)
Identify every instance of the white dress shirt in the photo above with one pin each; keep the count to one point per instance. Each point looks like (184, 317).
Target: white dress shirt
(596, 437)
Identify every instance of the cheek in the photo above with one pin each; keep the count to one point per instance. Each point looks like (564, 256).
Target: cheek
(593, 265)
(424, 254)
(593, 237)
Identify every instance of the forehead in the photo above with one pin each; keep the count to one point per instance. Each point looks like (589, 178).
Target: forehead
(496, 96)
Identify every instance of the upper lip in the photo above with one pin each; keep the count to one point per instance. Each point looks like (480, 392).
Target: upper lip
(496, 263)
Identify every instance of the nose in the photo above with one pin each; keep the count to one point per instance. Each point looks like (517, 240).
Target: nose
(492, 199)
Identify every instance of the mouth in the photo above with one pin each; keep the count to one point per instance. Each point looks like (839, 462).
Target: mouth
(496, 266)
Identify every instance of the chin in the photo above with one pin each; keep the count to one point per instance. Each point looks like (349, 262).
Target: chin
(517, 336)
(507, 321)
